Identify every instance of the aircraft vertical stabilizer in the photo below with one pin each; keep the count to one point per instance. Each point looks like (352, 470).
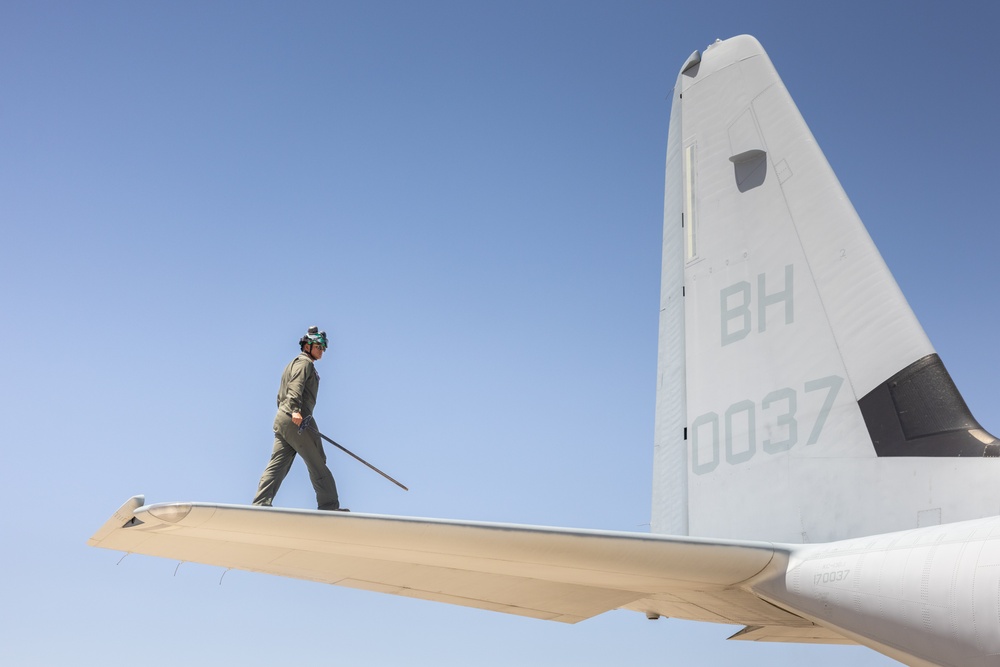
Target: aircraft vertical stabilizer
(799, 399)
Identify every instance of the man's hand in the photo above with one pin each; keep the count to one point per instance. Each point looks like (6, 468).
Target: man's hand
(297, 419)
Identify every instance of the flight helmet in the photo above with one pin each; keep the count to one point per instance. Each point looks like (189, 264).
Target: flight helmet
(314, 337)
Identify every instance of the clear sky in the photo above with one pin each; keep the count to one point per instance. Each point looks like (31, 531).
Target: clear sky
(468, 197)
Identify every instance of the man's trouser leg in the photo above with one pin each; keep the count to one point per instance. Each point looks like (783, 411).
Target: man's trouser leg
(308, 445)
(277, 468)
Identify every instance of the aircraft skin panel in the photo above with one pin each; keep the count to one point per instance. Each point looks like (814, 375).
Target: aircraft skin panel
(731, 606)
(795, 212)
(802, 361)
(875, 501)
(670, 457)
(557, 574)
(809, 634)
(445, 542)
(924, 597)
(874, 326)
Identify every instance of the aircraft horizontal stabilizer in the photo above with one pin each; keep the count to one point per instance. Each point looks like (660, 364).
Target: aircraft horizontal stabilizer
(548, 573)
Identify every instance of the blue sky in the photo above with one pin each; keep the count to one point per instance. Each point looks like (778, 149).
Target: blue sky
(468, 198)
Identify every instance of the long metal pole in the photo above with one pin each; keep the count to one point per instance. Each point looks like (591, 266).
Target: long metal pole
(308, 423)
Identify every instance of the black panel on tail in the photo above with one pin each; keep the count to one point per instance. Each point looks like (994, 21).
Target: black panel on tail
(919, 412)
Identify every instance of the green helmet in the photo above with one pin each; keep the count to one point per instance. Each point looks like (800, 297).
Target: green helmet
(314, 337)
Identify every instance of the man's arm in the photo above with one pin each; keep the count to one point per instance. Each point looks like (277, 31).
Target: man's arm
(295, 391)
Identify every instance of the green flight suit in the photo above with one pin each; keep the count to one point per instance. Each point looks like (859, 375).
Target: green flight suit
(297, 393)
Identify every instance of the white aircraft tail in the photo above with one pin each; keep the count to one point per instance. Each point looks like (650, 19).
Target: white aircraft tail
(798, 398)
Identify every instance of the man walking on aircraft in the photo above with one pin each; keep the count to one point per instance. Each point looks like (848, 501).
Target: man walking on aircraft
(294, 430)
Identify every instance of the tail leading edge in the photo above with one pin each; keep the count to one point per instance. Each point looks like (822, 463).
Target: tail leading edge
(798, 398)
